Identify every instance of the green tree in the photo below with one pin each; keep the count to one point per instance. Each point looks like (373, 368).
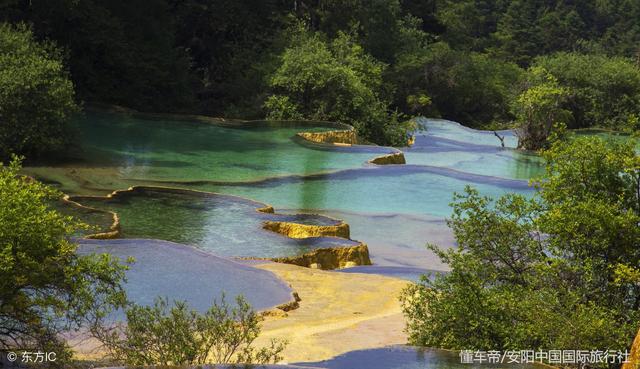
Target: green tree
(553, 272)
(36, 95)
(232, 46)
(469, 24)
(119, 52)
(607, 96)
(467, 87)
(46, 288)
(519, 33)
(619, 29)
(539, 109)
(176, 335)
(334, 81)
(592, 192)
(384, 28)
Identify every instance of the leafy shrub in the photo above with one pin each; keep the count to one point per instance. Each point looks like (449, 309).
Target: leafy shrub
(603, 91)
(176, 335)
(46, 288)
(558, 271)
(36, 95)
(334, 81)
(538, 109)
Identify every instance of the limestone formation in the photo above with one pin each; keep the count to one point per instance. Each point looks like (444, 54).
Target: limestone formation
(267, 209)
(395, 158)
(348, 137)
(331, 257)
(296, 230)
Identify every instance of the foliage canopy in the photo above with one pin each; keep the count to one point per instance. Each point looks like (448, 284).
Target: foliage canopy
(558, 271)
(46, 288)
(175, 335)
(334, 81)
(36, 95)
(467, 57)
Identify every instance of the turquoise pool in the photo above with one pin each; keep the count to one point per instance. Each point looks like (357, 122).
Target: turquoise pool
(395, 209)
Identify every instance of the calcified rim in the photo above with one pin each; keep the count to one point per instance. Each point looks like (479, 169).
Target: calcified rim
(298, 230)
(114, 229)
(322, 139)
(312, 138)
(337, 230)
(329, 139)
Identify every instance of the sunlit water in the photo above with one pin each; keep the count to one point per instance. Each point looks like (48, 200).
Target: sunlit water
(224, 225)
(397, 189)
(451, 145)
(116, 151)
(395, 209)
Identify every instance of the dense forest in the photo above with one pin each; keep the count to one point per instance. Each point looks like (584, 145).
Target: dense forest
(373, 63)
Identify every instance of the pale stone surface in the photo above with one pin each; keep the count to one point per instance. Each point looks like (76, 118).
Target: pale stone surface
(338, 313)
(342, 137)
(297, 230)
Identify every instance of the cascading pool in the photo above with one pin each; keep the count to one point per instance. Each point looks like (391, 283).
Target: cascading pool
(395, 209)
(224, 225)
(117, 150)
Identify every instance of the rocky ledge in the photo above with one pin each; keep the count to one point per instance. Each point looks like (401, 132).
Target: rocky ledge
(395, 158)
(344, 137)
(331, 257)
(297, 230)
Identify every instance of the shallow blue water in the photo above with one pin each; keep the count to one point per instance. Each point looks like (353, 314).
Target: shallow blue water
(399, 189)
(451, 145)
(181, 272)
(408, 273)
(402, 357)
(395, 209)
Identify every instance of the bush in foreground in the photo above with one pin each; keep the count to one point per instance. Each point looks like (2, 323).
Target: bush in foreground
(46, 288)
(175, 335)
(559, 271)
